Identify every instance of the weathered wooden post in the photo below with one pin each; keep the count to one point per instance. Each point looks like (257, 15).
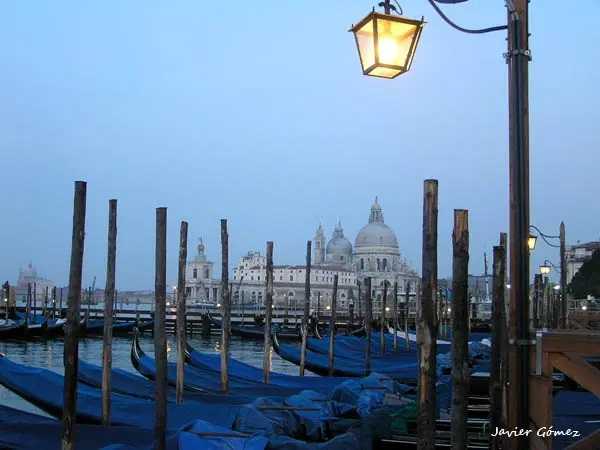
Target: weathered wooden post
(71, 345)
(426, 321)
(395, 319)
(407, 311)
(226, 305)
(318, 308)
(160, 340)
(382, 327)
(498, 337)
(564, 305)
(28, 305)
(306, 308)
(268, 314)
(60, 306)
(360, 316)
(44, 306)
(34, 299)
(54, 302)
(536, 300)
(460, 336)
(109, 293)
(368, 323)
(332, 319)
(181, 337)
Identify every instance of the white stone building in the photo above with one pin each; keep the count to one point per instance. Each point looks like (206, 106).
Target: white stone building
(578, 254)
(375, 254)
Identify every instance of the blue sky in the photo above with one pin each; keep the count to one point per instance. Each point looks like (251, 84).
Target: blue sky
(257, 112)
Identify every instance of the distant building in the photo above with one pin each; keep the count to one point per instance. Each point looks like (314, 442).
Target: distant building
(578, 254)
(375, 254)
(39, 285)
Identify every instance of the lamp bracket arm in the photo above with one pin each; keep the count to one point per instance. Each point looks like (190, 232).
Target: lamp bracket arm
(464, 30)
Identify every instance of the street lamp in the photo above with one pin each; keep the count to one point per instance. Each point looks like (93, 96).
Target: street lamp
(545, 269)
(517, 58)
(531, 241)
(386, 43)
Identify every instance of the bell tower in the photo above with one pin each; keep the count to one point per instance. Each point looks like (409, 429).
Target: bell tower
(318, 256)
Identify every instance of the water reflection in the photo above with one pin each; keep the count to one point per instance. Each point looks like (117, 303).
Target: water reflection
(49, 355)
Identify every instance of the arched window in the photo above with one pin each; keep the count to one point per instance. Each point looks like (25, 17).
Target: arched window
(206, 273)
(378, 265)
(195, 274)
(384, 264)
(362, 264)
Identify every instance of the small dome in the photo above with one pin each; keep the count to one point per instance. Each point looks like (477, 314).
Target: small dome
(376, 233)
(339, 249)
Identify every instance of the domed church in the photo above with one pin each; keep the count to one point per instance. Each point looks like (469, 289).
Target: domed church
(376, 253)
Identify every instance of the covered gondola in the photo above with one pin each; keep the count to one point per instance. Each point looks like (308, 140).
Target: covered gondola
(11, 329)
(253, 331)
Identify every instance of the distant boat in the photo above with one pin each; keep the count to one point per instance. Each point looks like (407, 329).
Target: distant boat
(258, 331)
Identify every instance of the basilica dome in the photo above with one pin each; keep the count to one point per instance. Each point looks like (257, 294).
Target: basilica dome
(339, 249)
(376, 233)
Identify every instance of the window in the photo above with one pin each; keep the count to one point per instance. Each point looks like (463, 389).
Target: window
(291, 278)
(362, 264)
(384, 264)
(195, 274)
(206, 273)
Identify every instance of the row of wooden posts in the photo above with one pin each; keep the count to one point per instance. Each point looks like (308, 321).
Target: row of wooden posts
(427, 321)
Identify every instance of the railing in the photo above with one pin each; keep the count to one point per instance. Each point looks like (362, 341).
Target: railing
(566, 352)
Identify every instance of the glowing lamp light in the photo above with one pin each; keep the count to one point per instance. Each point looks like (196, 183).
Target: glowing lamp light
(545, 269)
(386, 43)
(387, 308)
(584, 308)
(328, 308)
(218, 305)
(449, 310)
(531, 241)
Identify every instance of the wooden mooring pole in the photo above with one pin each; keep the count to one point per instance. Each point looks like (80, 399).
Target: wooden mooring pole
(71, 345)
(332, 319)
(395, 316)
(226, 305)
(160, 340)
(360, 316)
(34, 299)
(28, 305)
(306, 308)
(180, 318)
(406, 313)
(109, 293)
(382, 316)
(368, 323)
(498, 338)
(268, 314)
(460, 332)
(426, 321)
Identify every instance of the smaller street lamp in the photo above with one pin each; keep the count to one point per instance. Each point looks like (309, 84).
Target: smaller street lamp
(545, 269)
(386, 43)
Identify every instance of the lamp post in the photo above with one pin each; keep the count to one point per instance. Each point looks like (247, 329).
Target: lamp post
(377, 48)
(563, 267)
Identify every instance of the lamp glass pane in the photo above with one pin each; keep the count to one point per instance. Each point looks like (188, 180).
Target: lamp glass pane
(366, 44)
(384, 72)
(394, 40)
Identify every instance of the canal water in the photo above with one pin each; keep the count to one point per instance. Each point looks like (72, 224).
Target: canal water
(49, 355)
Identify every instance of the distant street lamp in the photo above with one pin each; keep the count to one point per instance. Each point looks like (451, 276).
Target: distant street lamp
(545, 269)
(386, 43)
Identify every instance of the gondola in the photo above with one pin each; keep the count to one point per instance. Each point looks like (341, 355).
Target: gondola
(198, 380)
(11, 329)
(241, 370)
(258, 331)
(44, 389)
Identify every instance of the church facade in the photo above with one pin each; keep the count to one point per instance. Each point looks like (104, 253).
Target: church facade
(375, 254)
